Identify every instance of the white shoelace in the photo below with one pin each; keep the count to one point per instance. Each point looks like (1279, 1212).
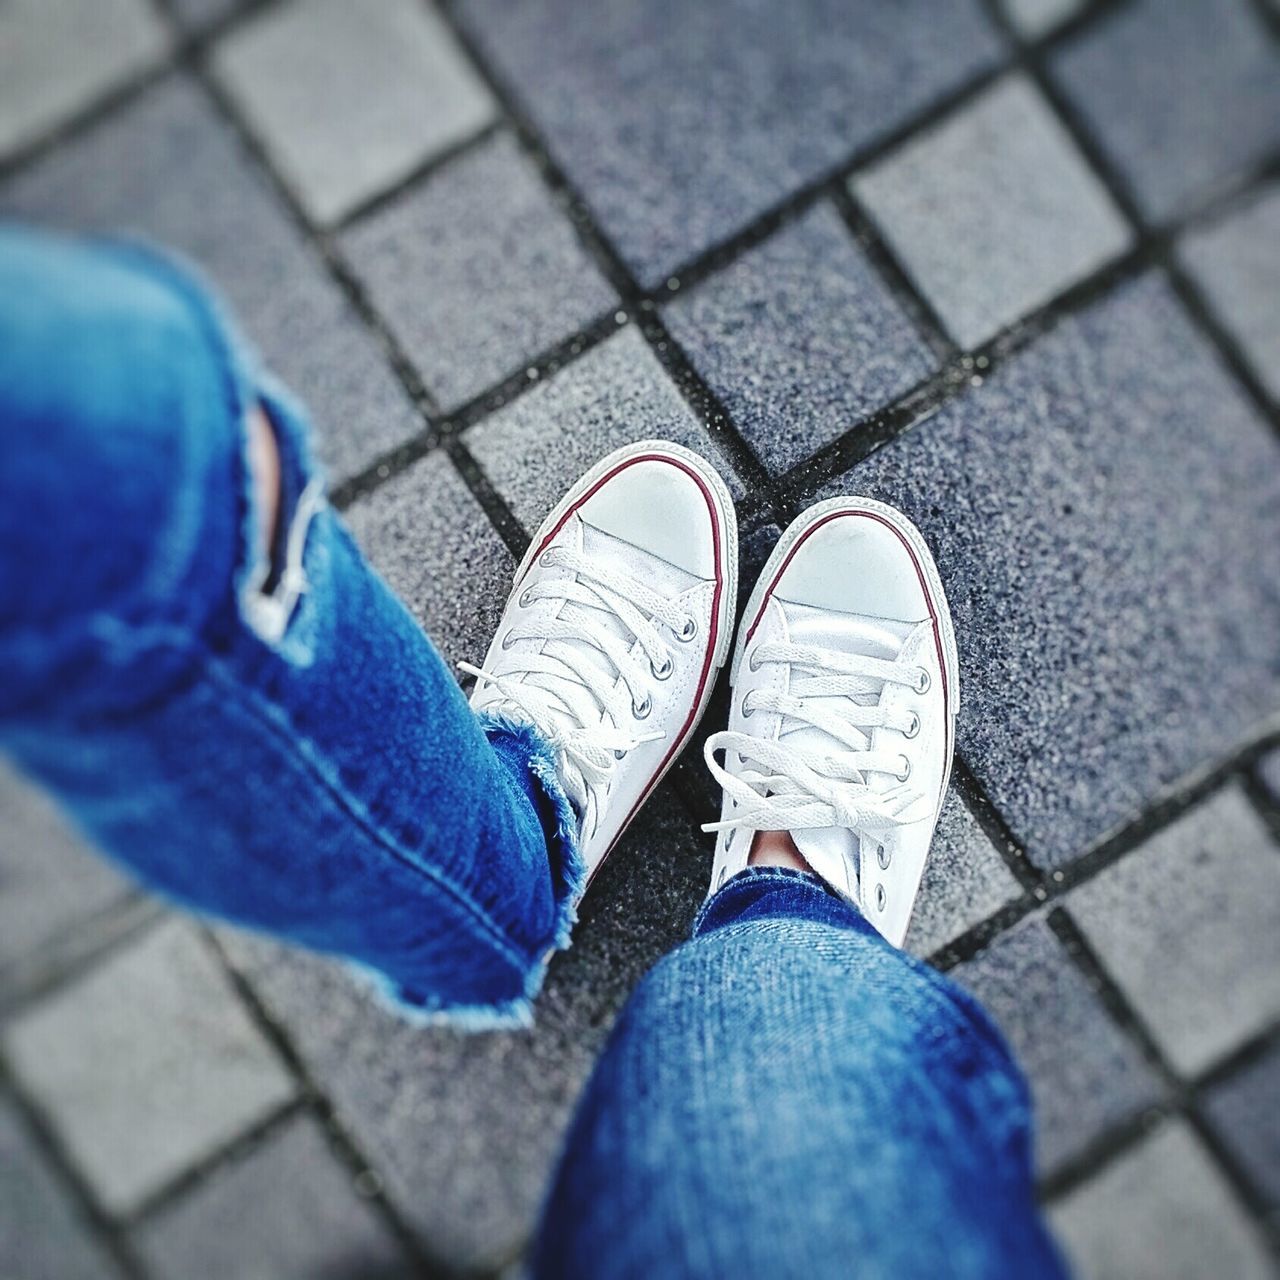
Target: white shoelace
(584, 710)
(794, 787)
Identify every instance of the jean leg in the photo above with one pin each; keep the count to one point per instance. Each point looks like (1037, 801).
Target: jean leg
(271, 740)
(786, 1095)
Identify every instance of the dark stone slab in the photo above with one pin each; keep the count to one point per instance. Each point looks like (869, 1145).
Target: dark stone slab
(800, 339)
(681, 123)
(477, 270)
(463, 1129)
(1243, 1108)
(167, 167)
(284, 1211)
(1188, 925)
(1085, 1075)
(1105, 511)
(1181, 96)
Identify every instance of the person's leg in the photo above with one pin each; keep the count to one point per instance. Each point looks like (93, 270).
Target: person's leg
(787, 1095)
(261, 731)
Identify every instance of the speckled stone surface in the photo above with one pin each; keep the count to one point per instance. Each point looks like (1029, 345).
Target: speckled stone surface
(287, 1210)
(1034, 18)
(994, 211)
(42, 1236)
(1242, 1108)
(1237, 265)
(56, 58)
(350, 98)
(146, 1065)
(1269, 772)
(168, 168)
(1189, 927)
(678, 129)
(478, 271)
(1075, 489)
(534, 449)
(965, 880)
(433, 545)
(1162, 1212)
(464, 1129)
(800, 339)
(1084, 1075)
(1181, 96)
(199, 15)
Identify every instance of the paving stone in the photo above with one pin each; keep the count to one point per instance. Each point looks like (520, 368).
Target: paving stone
(994, 211)
(427, 536)
(536, 447)
(1181, 97)
(679, 123)
(50, 880)
(1110, 467)
(286, 1211)
(1085, 1075)
(42, 1237)
(56, 58)
(1238, 267)
(1189, 927)
(200, 15)
(478, 271)
(464, 1129)
(800, 339)
(1035, 18)
(1269, 772)
(965, 880)
(1160, 1212)
(146, 1065)
(1242, 1108)
(169, 168)
(350, 98)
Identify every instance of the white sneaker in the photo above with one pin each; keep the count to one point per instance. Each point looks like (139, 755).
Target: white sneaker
(619, 620)
(846, 688)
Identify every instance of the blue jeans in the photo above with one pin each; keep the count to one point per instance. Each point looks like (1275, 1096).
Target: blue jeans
(265, 734)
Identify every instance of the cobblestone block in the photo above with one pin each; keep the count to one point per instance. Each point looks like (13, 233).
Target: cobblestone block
(1035, 18)
(1242, 1108)
(199, 15)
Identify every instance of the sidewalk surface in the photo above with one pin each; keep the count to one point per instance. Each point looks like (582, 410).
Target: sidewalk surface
(1012, 265)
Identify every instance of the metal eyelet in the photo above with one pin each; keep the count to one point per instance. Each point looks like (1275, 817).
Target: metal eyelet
(618, 754)
(906, 770)
(747, 712)
(688, 631)
(882, 898)
(914, 727)
(526, 597)
(546, 558)
(883, 857)
(507, 641)
(751, 661)
(642, 708)
(923, 682)
(663, 672)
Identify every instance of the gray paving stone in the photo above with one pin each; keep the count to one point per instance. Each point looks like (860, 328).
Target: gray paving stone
(965, 880)
(681, 123)
(463, 1129)
(1035, 18)
(50, 880)
(56, 58)
(536, 447)
(1242, 1108)
(478, 271)
(424, 532)
(1189, 927)
(1180, 96)
(1085, 1075)
(1160, 1212)
(800, 339)
(146, 1064)
(1269, 772)
(1104, 513)
(1238, 266)
(994, 211)
(167, 167)
(350, 98)
(199, 15)
(41, 1235)
(286, 1211)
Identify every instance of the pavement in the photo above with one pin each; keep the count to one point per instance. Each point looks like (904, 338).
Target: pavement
(1011, 265)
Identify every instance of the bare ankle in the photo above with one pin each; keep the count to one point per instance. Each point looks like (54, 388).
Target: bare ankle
(264, 467)
(776, 849)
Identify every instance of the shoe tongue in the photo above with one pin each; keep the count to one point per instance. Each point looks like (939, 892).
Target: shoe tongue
(832, 851)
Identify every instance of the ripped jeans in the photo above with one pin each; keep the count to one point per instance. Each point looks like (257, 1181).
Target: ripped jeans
(266, 735)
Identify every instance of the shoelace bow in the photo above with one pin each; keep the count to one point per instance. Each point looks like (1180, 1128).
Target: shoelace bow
(589, 720)
(794, 787)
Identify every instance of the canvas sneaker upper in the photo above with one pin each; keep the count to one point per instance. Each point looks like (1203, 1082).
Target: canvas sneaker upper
(619, 619)
(845, 691)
